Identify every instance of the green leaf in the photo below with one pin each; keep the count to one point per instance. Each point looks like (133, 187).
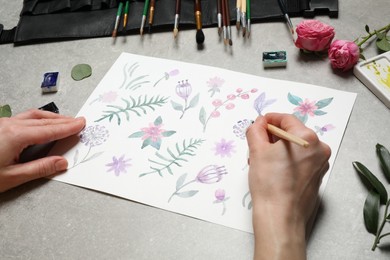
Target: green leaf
(383, 44)
(372, 180)
(180, 181)
(168, 133)
(319, 113)
(176, 106)
(367, 28)
(371, 211)
(136, 134)
(294, 99)
(380, 35)
(81, 71)
(323, 103)
(5, 111)
(146, 142)
(202, 116)
(194, 101)
(384, 158)
(158, 121)
(187, 194)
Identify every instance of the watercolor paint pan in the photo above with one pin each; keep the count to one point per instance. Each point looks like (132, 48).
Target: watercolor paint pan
(374, 73)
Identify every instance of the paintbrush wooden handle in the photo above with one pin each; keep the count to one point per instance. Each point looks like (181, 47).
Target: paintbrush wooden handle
(286, 136)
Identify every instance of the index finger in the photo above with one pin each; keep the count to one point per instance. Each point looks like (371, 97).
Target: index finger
(47, 133)
(257, 134)
(38, 114)
(287, 122)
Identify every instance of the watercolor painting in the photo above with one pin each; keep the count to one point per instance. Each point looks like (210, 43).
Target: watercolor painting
(173, 135)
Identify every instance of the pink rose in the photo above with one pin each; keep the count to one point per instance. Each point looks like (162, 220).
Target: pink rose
(343, 54)
(314, 35)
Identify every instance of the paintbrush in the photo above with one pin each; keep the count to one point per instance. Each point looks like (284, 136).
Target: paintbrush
(229, 29)
(151, 14)
(144, 13)
(219, 16)
(283, 7)
(125, 15)
(177, 17)
(118, 18)
(198, 21)
(287, 136)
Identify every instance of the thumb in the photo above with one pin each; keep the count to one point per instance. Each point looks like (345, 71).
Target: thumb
(18, 174)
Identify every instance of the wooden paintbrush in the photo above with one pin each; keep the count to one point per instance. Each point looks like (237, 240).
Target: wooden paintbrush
(198, 21)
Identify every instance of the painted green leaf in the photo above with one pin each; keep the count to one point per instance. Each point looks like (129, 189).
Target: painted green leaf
(384, 158)
(5, 111)
(81, 71)
(319, 113)
(93, 156)
(180, 181)
(146, 142)
(323, 103)
(168, 133)
(187, 194)
(202, 116)
(137, 134)
(158, 121)
(156, 144)
(371, 211)
(294, 99)
(383, 44)
(372, 180)
(194, 101)
(176, 106)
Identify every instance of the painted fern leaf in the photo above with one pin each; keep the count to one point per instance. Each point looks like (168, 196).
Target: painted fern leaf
(138, 106)
(173, 157)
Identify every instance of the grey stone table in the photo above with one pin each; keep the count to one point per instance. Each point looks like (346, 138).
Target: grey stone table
(51, 220)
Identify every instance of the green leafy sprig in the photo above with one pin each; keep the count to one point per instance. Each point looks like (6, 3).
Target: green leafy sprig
(173, 158)
(382, 40)
(134, 106)
(377, 195)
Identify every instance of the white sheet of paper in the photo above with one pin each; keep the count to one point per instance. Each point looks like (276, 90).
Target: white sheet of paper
(172, 134)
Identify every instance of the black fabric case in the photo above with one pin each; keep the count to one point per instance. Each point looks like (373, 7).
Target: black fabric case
(54, 20)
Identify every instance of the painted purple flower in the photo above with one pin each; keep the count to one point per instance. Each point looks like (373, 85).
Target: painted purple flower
(221, 198)
(94, 135)
(224, 148)
(211, 174)
(167, 75)
(240, 128)
(261, 103)
(215, 85)
(220, 194)
(324, 129)
(183, 89)
(118, 165)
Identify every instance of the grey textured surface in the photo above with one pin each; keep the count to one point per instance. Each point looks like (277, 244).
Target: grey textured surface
(52, 220)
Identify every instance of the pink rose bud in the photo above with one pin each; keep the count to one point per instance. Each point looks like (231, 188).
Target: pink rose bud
(244, 96)
(314, 35)
(217, 102)
(231, 96)
(215, 114)
(229, 106)
(343, 54)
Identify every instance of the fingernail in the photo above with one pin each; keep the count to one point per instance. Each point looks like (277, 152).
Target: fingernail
(61, 165)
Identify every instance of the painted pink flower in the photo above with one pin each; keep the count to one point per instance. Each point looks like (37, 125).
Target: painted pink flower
(118, 165)
(229, 106)
(154, 132)
(343, 54)
(231, 97)
(306, 107)
(245, 96)
(215, 85)
(239, 90)
(215, 114)
(224, 148)
(314, 35)
(217, 102)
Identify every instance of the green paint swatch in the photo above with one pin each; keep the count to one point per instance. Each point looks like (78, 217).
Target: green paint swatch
(81, 71)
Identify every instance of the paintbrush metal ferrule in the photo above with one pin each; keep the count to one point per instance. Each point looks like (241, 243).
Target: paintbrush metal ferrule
(141, 30)
(219, 18)
(151, 15)
(176, 25)
(125, 21)
(229, 35)
(248, 27)
(198, 20)
(224, 34)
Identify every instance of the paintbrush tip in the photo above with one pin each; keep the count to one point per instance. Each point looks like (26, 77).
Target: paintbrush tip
(175, 32)
(199, 36)
(114, 33)
(230, 42)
